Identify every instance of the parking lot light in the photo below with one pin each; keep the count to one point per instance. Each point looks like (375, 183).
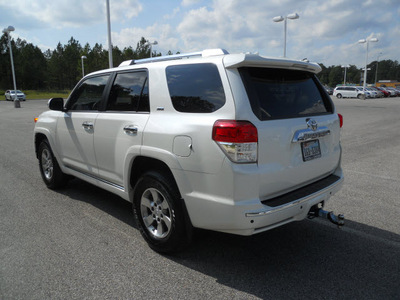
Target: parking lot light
(7, 31)
(366, 41)
(376, 71)
(83, 66)
(345, 69)
(292, 16)
(150, 44)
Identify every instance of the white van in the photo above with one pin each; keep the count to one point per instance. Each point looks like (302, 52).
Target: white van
(348, 92)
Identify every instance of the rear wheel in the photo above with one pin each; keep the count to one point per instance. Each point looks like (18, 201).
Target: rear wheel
(159, 213)
(51, 173)
(339, 96)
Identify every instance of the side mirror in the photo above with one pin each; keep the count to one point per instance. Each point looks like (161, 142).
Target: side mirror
(56, 104)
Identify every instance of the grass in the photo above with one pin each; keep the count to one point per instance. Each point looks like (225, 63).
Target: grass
(34, 95)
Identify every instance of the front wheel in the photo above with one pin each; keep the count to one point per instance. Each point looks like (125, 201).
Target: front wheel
(159, 213)
(339, 96)
(51, 173)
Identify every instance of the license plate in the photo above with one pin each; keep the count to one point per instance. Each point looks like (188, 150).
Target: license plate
(310, 150)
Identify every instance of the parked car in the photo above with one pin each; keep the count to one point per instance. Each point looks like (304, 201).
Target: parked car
(10, 95)
(237, 143)
(348, 92)
(329, 90)
(383, 91)
(374, 94)
(379, 93)
(394, 92)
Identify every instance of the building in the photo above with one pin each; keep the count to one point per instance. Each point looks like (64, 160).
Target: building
(388, 83)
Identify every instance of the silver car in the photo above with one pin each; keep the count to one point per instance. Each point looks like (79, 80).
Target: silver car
(10, 95)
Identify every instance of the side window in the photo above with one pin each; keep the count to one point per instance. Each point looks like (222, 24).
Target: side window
(129, 92)
(195, 88)
(89, 94)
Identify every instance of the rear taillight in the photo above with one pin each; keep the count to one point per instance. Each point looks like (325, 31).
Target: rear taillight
(340, 120)
(238, 140)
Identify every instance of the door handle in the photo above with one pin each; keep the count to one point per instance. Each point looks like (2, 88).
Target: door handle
(131, 130)
(87, 125)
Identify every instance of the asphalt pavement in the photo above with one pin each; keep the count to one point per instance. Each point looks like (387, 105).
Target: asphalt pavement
(81, 242)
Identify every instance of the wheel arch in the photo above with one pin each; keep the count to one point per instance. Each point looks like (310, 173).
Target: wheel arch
(39, 137)
(143, 164)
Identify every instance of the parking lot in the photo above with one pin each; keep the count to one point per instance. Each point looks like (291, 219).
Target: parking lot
(81, 242)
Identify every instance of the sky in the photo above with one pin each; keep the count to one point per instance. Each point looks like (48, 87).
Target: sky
(326, 32)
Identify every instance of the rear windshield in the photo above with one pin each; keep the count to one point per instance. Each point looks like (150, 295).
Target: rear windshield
(282, 93)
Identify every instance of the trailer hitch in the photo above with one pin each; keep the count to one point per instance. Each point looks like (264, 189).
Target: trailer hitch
(317, 211)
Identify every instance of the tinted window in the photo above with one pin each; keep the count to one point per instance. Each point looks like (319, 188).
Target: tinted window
(195, 88)
(89, 94)
(129, 92)
(281, 93)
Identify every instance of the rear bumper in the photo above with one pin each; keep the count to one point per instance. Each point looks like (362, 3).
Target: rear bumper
(253, 216)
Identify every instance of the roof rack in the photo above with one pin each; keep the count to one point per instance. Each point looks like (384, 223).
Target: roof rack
(204, 53)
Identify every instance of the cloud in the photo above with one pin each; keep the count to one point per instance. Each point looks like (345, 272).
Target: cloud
(72, 13)
(189, 2)
(164, 34)
(327, 30)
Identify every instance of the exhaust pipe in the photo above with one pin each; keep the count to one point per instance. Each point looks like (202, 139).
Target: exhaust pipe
(317, 211)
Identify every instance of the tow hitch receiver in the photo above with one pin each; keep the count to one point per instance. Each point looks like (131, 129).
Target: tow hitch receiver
(317, 211)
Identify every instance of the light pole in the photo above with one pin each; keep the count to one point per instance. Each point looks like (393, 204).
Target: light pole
(110, 58)
(83, 67)
(293, 16)
(374, 40)
(376, 71)
(7, 31)
(345, 68)
(150, 44)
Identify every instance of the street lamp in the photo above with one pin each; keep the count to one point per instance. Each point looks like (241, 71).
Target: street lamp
(376, 71)
(110, 58)
(150, 44)
(83, 67)
(345, 68)
(7, 31)
(293, 16)
(363, 41)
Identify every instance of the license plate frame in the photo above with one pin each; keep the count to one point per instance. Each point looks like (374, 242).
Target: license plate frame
(311, 150)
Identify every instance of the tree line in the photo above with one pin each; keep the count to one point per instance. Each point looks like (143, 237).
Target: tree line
(61, 68)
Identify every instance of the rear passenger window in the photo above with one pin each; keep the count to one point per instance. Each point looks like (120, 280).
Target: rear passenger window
(195, 88)
(129, 92)
(282, 93)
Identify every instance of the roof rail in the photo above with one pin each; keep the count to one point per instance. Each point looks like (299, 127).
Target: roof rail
(204, 53)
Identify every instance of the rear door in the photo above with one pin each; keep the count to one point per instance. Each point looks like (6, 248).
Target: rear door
(119, 129)
(298, 131)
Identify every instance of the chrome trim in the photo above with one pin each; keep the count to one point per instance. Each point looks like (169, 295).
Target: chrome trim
(120, 187)
(303, 135)
(296, 202)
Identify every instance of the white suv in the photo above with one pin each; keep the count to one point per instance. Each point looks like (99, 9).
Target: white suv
(236, 143)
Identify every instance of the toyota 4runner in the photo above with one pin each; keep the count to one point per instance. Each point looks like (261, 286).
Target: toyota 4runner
(237, 143)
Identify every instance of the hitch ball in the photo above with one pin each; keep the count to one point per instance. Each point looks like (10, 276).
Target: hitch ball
(317, 211)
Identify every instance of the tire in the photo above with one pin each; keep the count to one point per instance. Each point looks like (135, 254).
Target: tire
(159, 213)
(339, 96)
(359, 96)
(50, 170)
